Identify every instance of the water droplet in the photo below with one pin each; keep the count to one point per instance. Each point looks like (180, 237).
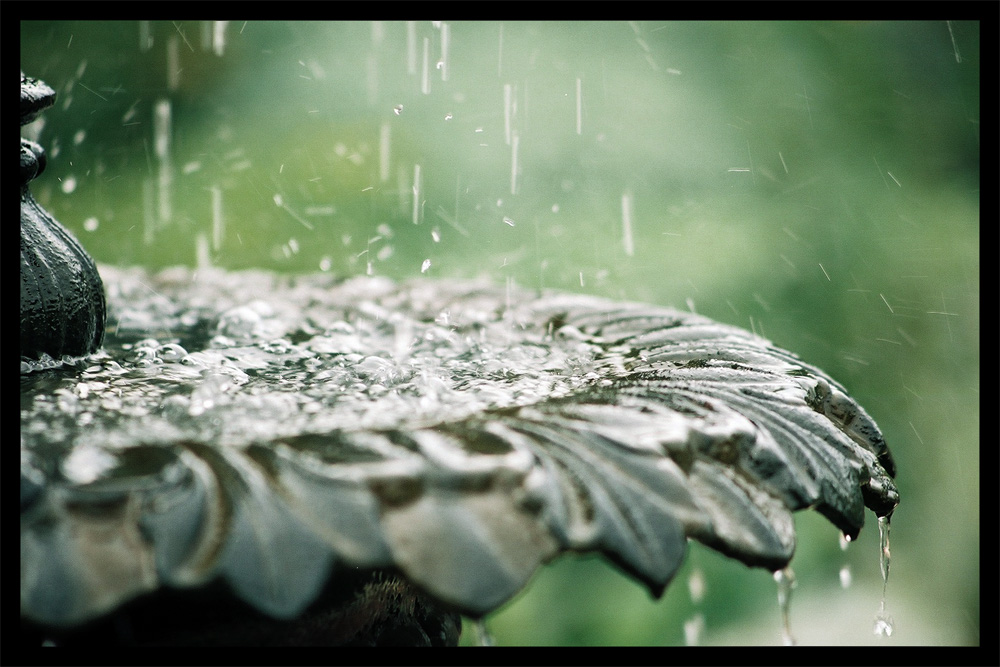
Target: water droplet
(171, 352)
(693, 629)
(508, 221)
(398, 109)
(426, 265)
(786, 582)
(845, 571)
(91, 224)
(448, 116)
(696, 585)
(203, 256)
(69, 185)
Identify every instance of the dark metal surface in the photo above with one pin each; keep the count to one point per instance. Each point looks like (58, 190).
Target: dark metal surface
(62, 296)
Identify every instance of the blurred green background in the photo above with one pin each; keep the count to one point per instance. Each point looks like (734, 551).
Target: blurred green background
(816, 182)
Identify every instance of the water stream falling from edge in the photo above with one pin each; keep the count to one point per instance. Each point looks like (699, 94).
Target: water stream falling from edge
(883, 622)
(786, 582)
(483, 636)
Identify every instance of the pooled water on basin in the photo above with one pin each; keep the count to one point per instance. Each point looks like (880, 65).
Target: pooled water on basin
(236, 358)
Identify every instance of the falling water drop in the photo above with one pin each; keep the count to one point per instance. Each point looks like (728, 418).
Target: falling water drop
(442, 64)
(845, 577)
(173, 63)
(693, 629)
(219, 37)
(696, 585)
(883, 622)
(411, 47)
(145, 36)
(425, 82)
(483, 636)
(203, 256)
(786, 582)
(161, 144)
(627, 241)
(426, 265)
(416, 194)
(845, 571)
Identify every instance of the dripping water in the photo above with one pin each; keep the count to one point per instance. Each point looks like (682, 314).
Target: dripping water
(694, 627)
(846, 577)
(786, 582)
(883, 622)
(483, 636)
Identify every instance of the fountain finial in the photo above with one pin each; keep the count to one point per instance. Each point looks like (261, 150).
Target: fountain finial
(63, 308)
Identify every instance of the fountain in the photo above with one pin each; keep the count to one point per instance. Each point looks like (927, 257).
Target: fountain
(358, 461)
